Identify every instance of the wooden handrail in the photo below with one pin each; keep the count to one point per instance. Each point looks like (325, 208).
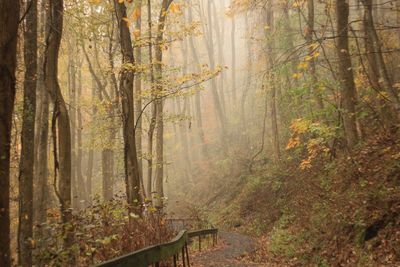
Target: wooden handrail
(202, 232)
(157, 253)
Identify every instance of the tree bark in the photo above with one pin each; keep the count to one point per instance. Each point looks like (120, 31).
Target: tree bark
(79, 156)
(72, 115)
(159, 185)
(348, 94)
(376, 46)
(271, 76)
(42, 134)
(25, 229)
(61, 128)
(309, 40)
(138, 87)
(9, 15)
(132, 178)
(150, 133)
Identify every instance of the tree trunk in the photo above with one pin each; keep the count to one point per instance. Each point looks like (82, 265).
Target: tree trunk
(159, 185)
(186, 113)
(25, 233)
(153, 114)
(220, 44)
(42, 134)
(132, 178)
(99, 89)
(249, 68)
(107, 170)
(309, 39)
(184, 140)
(79, 176)
(209, 42)
(376, 45)
(72, 115)
(61, 129)
(271, 76)
(138, 88)
(9, 15)
(348, 95)
(233, 71)
(199, 118)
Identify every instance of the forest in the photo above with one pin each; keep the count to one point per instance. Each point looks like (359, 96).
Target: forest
(128, 125)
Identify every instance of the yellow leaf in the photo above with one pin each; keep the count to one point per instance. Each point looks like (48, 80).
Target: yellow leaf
(297, 75)
(127, 21)
(296, 4)
(136, 13)
(302, 66)
(308, 58)
(136, 33)
(293, 142)
(174, 8)
(314, 45)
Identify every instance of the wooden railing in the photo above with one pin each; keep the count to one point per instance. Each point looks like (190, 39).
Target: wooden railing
(168, 252)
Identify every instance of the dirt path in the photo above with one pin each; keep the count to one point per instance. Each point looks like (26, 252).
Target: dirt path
(231, 248)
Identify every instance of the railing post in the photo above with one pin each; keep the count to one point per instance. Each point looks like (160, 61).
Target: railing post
(175, 265)
(213, 239)
(187, 254)
(200, 242)
(183, 257)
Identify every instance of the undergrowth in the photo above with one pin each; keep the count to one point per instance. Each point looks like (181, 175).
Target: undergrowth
(334, 209)
(103, 231)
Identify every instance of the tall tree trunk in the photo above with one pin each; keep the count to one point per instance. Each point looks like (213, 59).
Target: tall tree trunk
(107, 153)
(248, 79)
(183, 127)
(209, 42)
(211, 55)
(271, 76)
(60, 123)
(233, 67)
(72, 115)
(25, 229)
(348, 95)
(309, 39)
(153, 114)
(219, 36)
(9, 16)
(79, 156)
(132, 179)
(42, 133)
(199, 118)
(184, 140)
(159, 185)
(138, 87)
(376, 45)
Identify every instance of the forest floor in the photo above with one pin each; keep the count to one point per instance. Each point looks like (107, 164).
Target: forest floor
(230, 252)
